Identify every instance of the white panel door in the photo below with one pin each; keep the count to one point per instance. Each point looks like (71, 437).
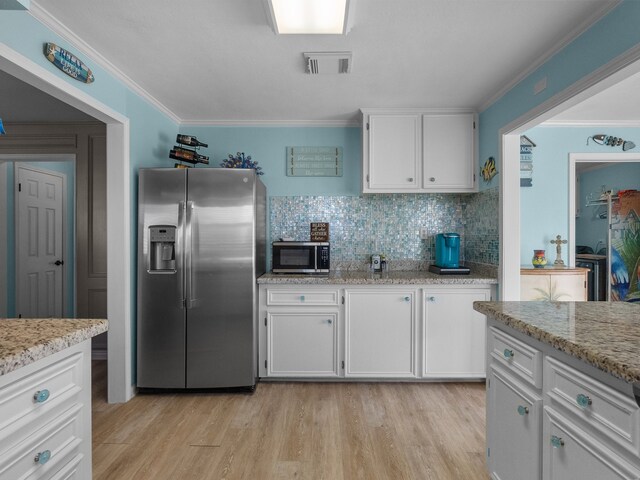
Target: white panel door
(454, 334)
(394, 152)
(39, 242)
(302, 344)
(380, 333)
(448, 152)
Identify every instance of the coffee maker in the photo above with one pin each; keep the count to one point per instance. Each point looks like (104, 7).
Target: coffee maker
(448, 255)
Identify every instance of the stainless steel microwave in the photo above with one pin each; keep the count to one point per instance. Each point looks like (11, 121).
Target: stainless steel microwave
(300, 257)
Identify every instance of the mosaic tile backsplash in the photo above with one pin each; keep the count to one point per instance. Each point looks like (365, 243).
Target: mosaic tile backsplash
(390, 224)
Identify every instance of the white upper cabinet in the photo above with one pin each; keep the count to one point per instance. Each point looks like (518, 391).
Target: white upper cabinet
(448, 152)
(418, 150)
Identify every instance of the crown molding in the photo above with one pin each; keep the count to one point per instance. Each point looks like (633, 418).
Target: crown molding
(591, 123)
(51, 22)
(271, 123)
(578, 30)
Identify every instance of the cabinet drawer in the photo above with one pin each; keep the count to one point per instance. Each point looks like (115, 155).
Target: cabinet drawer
(611, 413)
(572, 453)
(60, 438)
(38, 397)
(302, 297)
(519, 358)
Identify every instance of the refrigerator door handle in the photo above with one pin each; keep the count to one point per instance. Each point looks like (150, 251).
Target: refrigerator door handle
(189, 301)
(179, 253)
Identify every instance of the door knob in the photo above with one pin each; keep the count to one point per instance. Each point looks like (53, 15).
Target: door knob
(58, 262)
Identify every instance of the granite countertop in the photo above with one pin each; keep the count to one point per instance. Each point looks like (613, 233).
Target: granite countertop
(603, 334)
(360, 277)
(24, 340)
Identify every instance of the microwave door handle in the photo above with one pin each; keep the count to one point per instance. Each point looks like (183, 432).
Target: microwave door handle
(188, 235)
(315, 258)
(179, 253)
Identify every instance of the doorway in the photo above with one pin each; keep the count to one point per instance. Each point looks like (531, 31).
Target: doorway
(120, 385)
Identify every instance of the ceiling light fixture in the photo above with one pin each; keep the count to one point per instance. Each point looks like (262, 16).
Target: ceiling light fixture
(311, 16)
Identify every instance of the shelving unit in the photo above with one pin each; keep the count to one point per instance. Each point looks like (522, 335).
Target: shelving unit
(605, 198)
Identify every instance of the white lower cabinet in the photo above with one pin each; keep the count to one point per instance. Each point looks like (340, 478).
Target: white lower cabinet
(571, 453)
(45, 417)
(573, 428)
(454, 333)
(514, 423)
(380, 333)
(302, 344)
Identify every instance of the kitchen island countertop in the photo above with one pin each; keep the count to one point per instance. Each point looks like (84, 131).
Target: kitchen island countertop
(23, 340)
(361, 277)
(605, 335)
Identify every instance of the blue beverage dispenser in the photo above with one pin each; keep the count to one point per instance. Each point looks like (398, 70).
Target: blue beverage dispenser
(448, 250)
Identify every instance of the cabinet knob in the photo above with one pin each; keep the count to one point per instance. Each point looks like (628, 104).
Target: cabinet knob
(508, 353)
(432, 179)
(41, 396)
(407, 299)
(522, 410)
(410, 179)
(329, 321)
(302, 298)
(583, 400)
(556, 442)
(42, 457)
(431, 299)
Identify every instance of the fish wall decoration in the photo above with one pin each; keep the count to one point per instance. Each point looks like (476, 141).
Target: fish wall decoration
(488, 171)
(611, 141)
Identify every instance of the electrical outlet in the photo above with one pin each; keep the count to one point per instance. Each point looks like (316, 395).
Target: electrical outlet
(424, 233)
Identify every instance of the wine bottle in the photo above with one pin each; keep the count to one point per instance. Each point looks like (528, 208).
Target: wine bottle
(190, 140)
(184, 154)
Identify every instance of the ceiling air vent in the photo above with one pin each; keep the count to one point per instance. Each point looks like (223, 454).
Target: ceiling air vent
(328, 62)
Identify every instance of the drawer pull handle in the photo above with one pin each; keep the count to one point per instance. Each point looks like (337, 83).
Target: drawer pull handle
(302, 298)
(522, 410)
(508, 353)
(407, 299)
(583, 400)
(41, 396)
(556, 442)
(42, 457)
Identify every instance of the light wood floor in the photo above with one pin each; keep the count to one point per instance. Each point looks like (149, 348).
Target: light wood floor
(314, 431)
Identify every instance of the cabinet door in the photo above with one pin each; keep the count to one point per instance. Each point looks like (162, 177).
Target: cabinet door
(563, 286)
(571, 453)
(393, 153)
(514, 428)
(380, 333)
(454, 334)
(302, 344)
(448, 152)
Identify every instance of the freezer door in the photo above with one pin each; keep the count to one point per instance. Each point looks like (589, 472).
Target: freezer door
(220, 278)
(161, 313)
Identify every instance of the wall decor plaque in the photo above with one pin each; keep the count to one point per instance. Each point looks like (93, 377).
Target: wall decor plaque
(314, 161)
(319, 232)
(68, 63)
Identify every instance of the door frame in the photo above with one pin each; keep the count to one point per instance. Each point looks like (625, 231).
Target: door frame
(588, 158)
(119, 305)
(616, 70)
(65, 213)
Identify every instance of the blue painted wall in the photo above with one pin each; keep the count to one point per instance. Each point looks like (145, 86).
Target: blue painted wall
(267, 146)
(591, 229)
(607, 39)
(68, 168)
(544, 207)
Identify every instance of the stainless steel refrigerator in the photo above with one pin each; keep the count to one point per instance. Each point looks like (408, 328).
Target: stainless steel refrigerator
(201, 246)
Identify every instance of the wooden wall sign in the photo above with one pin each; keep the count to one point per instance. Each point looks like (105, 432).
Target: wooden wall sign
(68, 63)
(314, 161)
(319, 232)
